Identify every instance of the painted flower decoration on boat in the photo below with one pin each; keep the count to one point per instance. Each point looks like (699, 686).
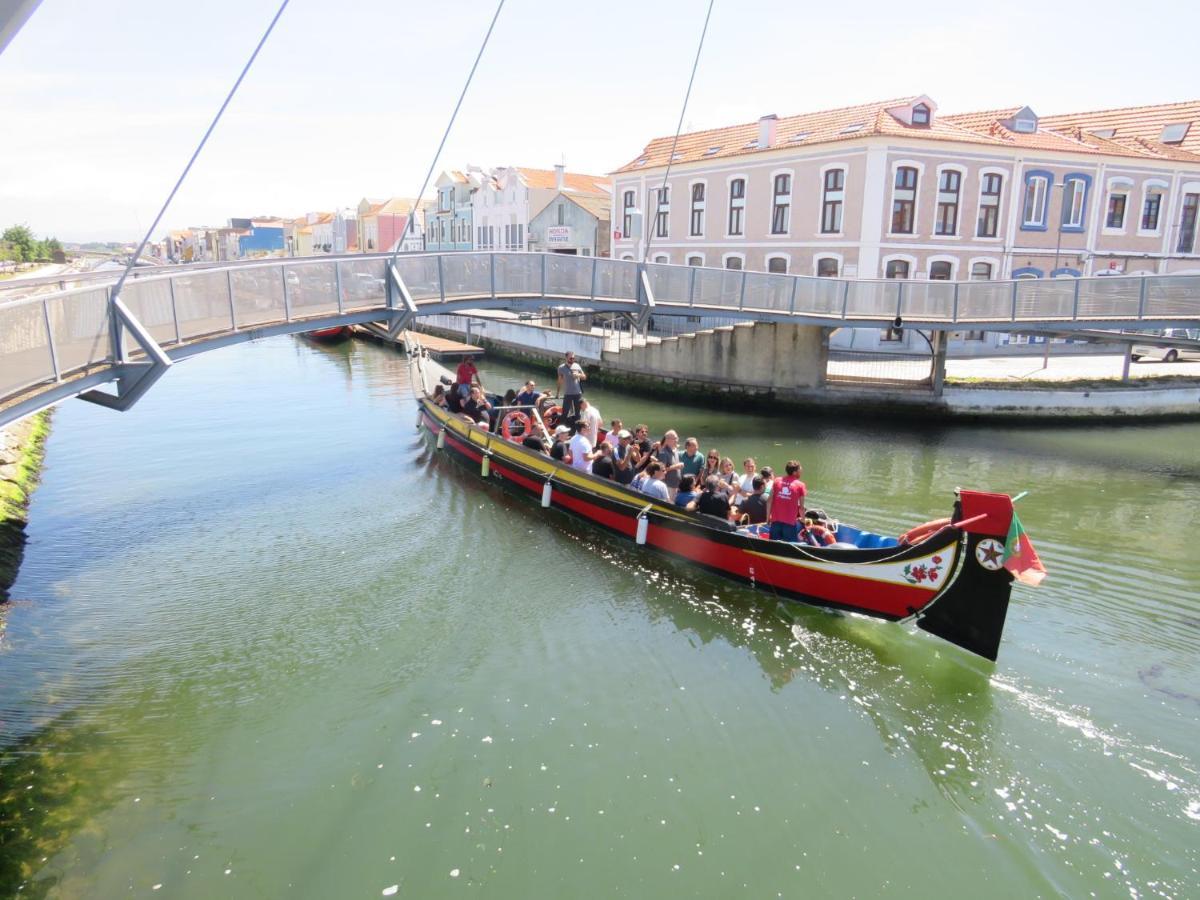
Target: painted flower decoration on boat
(924, 573)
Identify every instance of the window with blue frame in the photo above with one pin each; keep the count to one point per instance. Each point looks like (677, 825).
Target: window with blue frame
(1037, 194)
(1074, 208)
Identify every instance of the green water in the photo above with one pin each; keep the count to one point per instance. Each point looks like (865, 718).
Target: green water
(268, 642)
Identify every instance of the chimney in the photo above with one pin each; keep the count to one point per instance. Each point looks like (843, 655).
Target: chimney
(767, 126)
(559, 172)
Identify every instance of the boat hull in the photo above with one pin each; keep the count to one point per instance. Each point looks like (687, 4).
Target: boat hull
(895, 583)
(330, 335)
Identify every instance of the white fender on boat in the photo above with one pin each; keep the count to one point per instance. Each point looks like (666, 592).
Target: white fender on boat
(441, 441)
(418, 425)
(547, 491)
(643, 529)
(485, 467)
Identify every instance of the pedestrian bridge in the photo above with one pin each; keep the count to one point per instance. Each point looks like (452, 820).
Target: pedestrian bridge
(67, 343)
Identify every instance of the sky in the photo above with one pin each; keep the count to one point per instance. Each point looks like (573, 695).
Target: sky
(101, 104)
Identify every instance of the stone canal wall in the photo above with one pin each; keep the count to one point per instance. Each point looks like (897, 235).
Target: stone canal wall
(22, 445)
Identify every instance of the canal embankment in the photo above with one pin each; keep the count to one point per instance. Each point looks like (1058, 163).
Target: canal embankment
(779, 367)
(22, 447)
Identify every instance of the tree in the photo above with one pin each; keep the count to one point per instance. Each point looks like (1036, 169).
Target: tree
(22, 239)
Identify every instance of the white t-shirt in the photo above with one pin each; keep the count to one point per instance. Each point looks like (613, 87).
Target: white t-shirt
(580, 446)
(747, 484)
(592, 421)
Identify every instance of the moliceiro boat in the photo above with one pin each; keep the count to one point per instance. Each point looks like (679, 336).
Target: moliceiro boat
(950, 577)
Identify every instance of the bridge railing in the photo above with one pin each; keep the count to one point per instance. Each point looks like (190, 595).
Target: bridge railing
(54, 336)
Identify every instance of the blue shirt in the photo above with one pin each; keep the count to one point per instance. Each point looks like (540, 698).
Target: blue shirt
(527, 398)
(683, 498)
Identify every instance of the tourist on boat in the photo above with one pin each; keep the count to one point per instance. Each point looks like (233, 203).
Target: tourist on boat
(570, 387)
(727, 480)
(768, 475)
(614, 430)
(604, 466)
(667, 453)
(814, 531)
(590, 417)
(641, 436)
(712, 466)
(654, 485)
(467, 375)
(478, 407)
(749, 470)
(582, 454)
(786, 505)
(713, 501)
(687, 495)
(536, 438)
(753, 507)
(439, 396)
(626, 457)
(529, 397)
(692, 458)
(559, 449)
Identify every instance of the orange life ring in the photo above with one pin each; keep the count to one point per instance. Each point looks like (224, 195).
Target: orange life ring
(551, 415)
(513, 418)
(922, 531)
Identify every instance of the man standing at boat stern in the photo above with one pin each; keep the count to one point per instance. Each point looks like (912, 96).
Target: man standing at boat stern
(570, 387)
(786, 504)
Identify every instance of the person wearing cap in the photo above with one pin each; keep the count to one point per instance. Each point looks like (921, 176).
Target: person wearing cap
(559, 449)
(626, 457)
(529, 397)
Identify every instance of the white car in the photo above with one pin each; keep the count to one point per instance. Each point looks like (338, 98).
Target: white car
(1168, 354)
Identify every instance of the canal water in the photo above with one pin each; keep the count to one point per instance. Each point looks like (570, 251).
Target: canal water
(268, 642)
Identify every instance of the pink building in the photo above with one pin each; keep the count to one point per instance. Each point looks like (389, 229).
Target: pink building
(898, 190)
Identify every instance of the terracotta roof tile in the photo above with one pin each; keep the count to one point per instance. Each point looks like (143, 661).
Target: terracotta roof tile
(572, 181)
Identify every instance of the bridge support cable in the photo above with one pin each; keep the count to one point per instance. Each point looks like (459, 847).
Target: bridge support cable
(446, 134)
(133, 378)
(678, 128)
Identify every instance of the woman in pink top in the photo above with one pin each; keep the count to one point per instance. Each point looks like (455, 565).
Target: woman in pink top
(786, 504)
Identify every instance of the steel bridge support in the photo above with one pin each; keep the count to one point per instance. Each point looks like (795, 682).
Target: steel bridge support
(402, 309)
(645, 299)
(133, 378)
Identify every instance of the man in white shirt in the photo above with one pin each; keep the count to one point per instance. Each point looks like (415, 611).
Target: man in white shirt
(581, 449)
(590, 417)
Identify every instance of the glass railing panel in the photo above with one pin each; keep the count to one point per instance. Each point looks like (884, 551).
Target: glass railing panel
(518, 274)
(312, 289)
(80, 325)
(771, 292)
(258, 295)
(364, 283)
(150, 303)
(420, 276)
(202, 303)
(616, 279)
(1173, 295)
(984, 301)
(1045, 298)
(669, 284)
(24, 347)
(718, 287)
(466, 275)
(873, 299)
(819, 296)
(928, 300)
(1109, 297)
(568, 276)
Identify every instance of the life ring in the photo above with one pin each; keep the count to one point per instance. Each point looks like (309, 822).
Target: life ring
(516, 417)
(551, 415)
(922, 531)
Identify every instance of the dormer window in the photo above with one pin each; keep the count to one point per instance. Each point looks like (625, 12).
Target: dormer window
(850, 129)
(1174, 133)
(712, 151)
(920, 115)
(1025, 126)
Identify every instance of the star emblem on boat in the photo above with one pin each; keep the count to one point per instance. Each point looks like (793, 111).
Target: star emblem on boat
(990, 554)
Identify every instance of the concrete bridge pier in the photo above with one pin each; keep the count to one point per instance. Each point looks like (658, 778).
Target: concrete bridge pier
(753, 359)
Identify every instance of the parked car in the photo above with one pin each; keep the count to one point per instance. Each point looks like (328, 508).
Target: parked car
(1168, 354)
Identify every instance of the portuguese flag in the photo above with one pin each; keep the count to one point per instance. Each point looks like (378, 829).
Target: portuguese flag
(1019, 556)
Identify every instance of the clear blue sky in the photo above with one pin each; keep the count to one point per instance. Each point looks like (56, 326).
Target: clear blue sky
(101, 103)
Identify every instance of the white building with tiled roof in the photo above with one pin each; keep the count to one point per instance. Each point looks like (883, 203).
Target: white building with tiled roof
(511, 196)
(897, 190)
